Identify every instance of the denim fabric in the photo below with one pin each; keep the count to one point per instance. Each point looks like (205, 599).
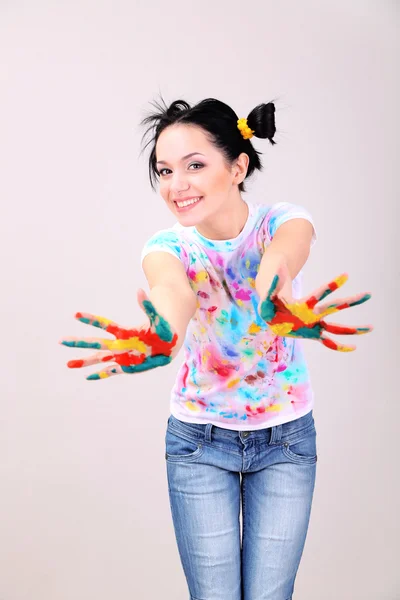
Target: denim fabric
(269, 475)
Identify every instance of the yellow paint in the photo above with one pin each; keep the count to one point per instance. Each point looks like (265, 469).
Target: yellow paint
(247, 264)
(252, 282)
(132, 343)
(201, 276)
(103, 375)
(341, 280)
(233, 382)
(282, 328)
(103, 320)
(302, 311)
(344, 348)
(192, 406)
(328, 311)
(240, 302)
(273, 408)
(254, 328)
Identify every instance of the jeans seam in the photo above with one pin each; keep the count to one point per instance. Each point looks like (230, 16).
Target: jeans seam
(201, 440)
(243, 503)
(297, 438)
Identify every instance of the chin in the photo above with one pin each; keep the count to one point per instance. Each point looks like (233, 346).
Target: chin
(187, 221)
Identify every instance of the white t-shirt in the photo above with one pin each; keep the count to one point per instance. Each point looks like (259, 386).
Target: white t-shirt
(236, 372)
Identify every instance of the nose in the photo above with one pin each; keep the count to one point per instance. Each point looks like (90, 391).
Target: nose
(178, 183)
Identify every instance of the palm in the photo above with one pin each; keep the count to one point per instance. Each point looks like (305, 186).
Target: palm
(303, 319)
(133, 350)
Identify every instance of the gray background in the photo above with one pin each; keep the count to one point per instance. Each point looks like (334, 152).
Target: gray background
(84, 511)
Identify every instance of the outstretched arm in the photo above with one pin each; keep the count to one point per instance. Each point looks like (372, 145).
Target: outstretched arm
(170, 292)
(168, 310)
(288, 250)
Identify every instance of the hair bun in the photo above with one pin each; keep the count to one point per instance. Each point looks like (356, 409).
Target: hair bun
(262, 121)
(177, 107)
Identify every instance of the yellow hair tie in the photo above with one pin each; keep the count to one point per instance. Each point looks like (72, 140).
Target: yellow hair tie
(244, 129)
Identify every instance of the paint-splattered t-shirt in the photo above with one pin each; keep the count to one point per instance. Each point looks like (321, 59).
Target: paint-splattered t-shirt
(236, 372)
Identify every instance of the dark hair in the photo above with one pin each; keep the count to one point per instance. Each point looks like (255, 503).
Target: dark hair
(220, 124)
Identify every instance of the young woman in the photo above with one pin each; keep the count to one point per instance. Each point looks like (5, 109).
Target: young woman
(225, 282)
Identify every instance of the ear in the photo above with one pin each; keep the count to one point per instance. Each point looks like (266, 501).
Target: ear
(240, 167)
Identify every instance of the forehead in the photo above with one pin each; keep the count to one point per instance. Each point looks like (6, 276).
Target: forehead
(177, 140)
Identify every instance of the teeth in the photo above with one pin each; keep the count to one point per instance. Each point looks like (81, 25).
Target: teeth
(188, 202)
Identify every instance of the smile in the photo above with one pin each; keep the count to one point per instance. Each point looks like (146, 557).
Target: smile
(188, 203)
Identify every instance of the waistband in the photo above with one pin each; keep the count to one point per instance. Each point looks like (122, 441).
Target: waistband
(272, 435)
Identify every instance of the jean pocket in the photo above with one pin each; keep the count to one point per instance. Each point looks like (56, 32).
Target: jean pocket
(301, 449)
(181, 448)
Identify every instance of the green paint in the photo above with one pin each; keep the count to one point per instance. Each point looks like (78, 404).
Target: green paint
(267, 309)
(307, 332)
(81, 344)
(162, 327)
(249, 352)
(363, 299)
(325, 294)
(151, 362)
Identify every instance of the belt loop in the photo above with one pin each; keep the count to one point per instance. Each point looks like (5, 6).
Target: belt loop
(207, 434)
(276, 434)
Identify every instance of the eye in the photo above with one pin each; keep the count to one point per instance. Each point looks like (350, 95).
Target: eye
(197, 164)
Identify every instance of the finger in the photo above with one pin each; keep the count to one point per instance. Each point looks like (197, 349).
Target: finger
(273, 287)
(267, 307)
(141, 296)
(344, 330)
(97, 321)
(151, 362)
(106, 373)
(324, 291)
(329, 308)
(94, 359)
(329, 343)
(161, 326)
(75, 342)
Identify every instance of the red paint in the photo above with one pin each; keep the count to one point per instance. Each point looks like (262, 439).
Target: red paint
(75, 364)
(185, 374)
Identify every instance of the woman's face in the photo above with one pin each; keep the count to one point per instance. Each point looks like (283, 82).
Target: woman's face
(194, 187)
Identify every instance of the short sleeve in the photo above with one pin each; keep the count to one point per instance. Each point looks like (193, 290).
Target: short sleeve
(281, 212)
(165, 241)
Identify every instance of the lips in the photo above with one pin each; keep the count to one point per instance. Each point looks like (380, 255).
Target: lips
(188, 206)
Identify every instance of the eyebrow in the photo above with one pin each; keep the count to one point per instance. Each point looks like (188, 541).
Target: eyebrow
(163, 162)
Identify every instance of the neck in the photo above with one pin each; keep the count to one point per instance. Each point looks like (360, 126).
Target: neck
(227, 222)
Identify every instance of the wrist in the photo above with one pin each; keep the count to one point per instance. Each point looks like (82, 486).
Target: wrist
(272, 262)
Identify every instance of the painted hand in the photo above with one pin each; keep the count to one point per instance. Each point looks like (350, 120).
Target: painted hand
(133, 350)
(299, 318)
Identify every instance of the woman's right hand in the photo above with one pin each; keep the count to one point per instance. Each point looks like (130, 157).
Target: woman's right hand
(133, 350)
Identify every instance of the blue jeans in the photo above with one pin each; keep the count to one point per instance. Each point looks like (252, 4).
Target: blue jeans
(269, 474)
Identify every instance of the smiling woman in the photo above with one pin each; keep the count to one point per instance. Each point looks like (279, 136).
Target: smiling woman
(227, 277)
(225, 284)
(201, 159)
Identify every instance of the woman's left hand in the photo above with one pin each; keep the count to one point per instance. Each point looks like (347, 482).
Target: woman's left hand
(301, 318)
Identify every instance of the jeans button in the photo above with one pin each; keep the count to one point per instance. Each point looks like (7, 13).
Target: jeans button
(246, 433)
